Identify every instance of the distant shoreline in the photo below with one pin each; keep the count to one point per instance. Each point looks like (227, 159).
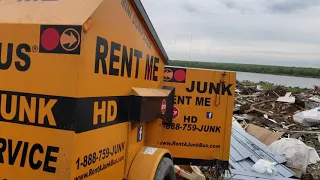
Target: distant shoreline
(252, 68)
(271, 86)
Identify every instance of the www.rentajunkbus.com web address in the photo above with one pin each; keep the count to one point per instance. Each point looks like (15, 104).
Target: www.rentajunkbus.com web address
(99, 168)
(188, 144)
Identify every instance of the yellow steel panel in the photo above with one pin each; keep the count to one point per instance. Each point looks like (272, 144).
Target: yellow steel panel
(68, 88)
(34, 152)
(42, 73)
(125, 47)
(229, 115)
(203, 126)
(67, 12)
(100, 153)
(136, 140)
(117, 51)
(146, 162)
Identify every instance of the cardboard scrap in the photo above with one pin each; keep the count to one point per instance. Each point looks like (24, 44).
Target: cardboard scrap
(264, 135)
(189, 172)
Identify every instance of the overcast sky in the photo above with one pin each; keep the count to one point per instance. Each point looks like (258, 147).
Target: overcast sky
(281, 32)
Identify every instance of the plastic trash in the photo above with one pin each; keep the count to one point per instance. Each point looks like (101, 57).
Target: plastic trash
(297, 153)
(315, 99)
(288, 98)
(308, 118)
(263, 166)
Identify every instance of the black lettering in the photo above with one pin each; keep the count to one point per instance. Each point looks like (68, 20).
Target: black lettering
(24, 154)
(186, 119)
(215, 88)
(134, 21)
(3, 147)
(189, 119)
(199, 101)
(138, 55)
(205, 86)
(23, 56)
(181, 99)
(4, 65)
(138, 26)
(212, 128)
(126, 7)
(50, 158)
(155, 69)
(217, 129)
(226, 89)
(188, 99)
(13, 155)
(194, 119)
(191, 88)
(101, 55)
(33, 149)
(207, 102)
(114, 58)
(122, 146)
(91, 172)
(149, 68)
(126, 61)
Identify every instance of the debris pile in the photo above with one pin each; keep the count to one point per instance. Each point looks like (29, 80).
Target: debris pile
(275, 135)
(270, 115)
(316, 90)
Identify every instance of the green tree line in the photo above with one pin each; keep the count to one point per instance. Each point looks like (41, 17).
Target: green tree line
(278, 70)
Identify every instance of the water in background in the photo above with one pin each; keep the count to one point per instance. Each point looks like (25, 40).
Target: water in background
(292, 81)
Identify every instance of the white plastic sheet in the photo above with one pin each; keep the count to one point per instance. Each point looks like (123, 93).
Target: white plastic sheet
(263, 166)
(297, 153)
(308, 118)
(287, 98)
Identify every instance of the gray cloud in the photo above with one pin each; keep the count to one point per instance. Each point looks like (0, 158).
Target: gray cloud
(270, 6)
(220, 31)
(235, 5)
(190, 7)
(287, 6)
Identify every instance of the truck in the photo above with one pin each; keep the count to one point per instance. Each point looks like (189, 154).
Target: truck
(86, 92)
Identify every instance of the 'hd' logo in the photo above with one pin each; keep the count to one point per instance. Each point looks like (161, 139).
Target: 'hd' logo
(60, 39)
